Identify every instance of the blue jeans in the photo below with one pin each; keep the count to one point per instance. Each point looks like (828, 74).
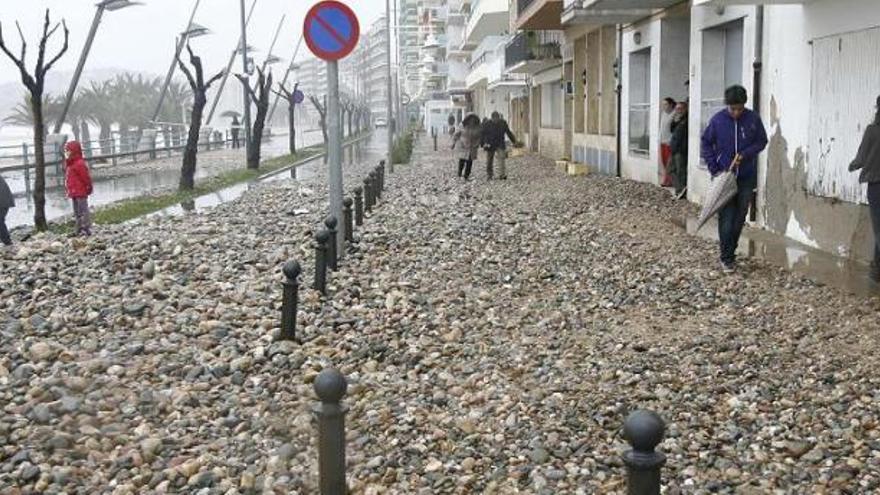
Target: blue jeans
(732, 218)
(874, 202)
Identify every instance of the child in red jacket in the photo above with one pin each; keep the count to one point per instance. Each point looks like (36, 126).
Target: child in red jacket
(79, 186)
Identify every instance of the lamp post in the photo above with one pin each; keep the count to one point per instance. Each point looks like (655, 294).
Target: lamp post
(228, 69)
(111, 5)
(389, 109)
(244, 63)
(193, 31)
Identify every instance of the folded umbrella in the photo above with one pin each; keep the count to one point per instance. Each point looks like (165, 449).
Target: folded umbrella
(721, 190)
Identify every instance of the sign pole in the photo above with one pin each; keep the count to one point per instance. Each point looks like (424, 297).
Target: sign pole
(244, 89)
(389, 110)
(334, 151)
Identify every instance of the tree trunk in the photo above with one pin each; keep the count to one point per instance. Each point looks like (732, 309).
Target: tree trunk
(257, 137)
(40, 164)
(86, 137)
(105, 136)
(349, 123)
(326, 138)
(291, 114)
(190, 155)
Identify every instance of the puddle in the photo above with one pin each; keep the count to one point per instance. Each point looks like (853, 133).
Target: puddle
(820, 266)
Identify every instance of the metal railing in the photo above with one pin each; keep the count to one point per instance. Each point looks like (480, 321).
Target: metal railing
(533, 45)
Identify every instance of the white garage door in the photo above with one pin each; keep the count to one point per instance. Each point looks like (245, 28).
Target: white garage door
(845, 85)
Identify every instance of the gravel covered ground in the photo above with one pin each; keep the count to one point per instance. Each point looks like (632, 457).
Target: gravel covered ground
(495, 336)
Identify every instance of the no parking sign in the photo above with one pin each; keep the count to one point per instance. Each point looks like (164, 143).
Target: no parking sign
(331, 30)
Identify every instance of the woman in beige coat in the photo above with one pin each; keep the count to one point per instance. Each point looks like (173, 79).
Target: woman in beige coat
(470, 136)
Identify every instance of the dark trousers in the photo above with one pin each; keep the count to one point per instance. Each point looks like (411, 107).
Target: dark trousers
(4, 232)
(874, 202)
(464, 167)
(490, 163)
(679, 171)
(732, 218)
(235, 143)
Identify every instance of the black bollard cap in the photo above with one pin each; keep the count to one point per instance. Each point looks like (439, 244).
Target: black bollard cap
(330, 385)
(331, 222)
(347, 202)
(322, 236)
(291, 269)
(358, 191)
(644, 430)
(381, 163)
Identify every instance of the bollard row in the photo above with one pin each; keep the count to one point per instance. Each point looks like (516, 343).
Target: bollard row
(644, 430)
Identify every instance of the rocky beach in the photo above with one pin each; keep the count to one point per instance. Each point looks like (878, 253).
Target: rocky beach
(495, 336)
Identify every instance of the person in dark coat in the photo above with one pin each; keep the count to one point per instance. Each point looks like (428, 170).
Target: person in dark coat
(679, 147)
(7, 201)
(493, 141)
(732, 141)
(868, 161)
(235, 131)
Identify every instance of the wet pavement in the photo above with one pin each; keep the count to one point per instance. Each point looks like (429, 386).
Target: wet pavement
(817, 265)
(110, 189)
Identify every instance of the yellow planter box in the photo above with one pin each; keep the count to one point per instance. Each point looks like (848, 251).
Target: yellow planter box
(578, 169)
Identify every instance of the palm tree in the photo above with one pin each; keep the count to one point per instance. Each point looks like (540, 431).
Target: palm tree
(22, 114)
(97, 98)
(178, 98)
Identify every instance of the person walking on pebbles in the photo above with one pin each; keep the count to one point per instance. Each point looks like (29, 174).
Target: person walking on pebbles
(79, 186)
(496, 149)
(732, 141)
(868, 162)
(468, 137)
(7, 201)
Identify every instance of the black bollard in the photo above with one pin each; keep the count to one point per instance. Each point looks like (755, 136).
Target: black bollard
(434, 135)
(643, 430)
(321, 240)
(378, 178)
(374, 184)
(382, 174)
(330, 387)
(290, 300)
(359, 206)
(349, 223)
(368, 193)
(332, 256)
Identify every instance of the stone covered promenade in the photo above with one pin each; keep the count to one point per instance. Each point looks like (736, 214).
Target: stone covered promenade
(495, 336)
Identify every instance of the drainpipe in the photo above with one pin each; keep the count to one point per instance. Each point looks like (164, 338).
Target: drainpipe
(756, 89)
(619, 98)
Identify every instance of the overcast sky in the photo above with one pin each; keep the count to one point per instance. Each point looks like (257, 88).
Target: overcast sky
(142, 38)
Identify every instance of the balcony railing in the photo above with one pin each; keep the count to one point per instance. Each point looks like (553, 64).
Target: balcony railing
(533, 45)
(522, 5)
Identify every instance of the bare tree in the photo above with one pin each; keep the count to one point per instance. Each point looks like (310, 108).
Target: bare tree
(322, 111)
(200, 98)
(259, 94)
(35, 85)
(349, 107)
(291, 106)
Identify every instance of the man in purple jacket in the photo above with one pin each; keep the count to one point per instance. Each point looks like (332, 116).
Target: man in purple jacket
(733, 140)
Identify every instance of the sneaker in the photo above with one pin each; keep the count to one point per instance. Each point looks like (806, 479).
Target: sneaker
(728, 267)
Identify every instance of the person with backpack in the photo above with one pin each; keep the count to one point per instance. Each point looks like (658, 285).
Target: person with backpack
(79, 186)
(868, 162)
(496, 148)
(733, 140)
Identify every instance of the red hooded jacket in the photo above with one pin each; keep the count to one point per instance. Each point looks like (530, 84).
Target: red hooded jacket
(77, 178)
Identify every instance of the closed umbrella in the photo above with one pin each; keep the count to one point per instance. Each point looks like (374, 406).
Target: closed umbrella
(721, 190)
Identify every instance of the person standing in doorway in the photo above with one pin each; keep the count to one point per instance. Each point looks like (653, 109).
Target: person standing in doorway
(7, 201)
(679, 147)
(496, 149)
(470, 136)
(667, 111)
(79, 186)
(868, 161)
(732, 141)
(235, 131)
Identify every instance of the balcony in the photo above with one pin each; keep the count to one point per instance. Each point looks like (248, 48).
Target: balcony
(487, 17)
(608, 12)
(723, 3)
(538, 14)
(530, 52)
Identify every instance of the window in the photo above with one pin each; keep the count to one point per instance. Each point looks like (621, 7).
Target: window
(722, 66)
(551, 105)
(580, 71)
(640, 102)
(608, 115)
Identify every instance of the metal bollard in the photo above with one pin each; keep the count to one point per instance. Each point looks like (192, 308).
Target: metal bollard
(330, 387)
(321, 240)
(382, 174)
(368, 193)
(374, 193)
(643, 430)
(333, 257)
(349, 222)
(378, 177)
(434, 135)
(27, 169)
(359, 206)
(290, 300)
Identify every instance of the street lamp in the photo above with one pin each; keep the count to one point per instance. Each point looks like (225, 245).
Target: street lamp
(192, 30)
(111, 5)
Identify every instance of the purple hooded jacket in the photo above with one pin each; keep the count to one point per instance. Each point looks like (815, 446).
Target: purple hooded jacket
(725, 137)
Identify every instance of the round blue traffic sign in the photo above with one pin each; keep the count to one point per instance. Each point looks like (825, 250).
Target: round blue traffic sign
(331, 30)
(298, 97)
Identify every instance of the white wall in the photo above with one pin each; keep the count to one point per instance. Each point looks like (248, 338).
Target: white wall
(642, 168)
